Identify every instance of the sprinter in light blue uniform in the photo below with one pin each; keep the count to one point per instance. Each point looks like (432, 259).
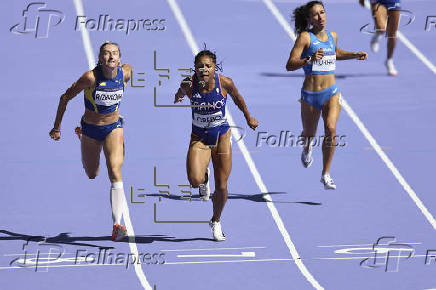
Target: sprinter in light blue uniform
(210, 135)
(324, 66)
(101, 125)
(316, 51)
(386, 14)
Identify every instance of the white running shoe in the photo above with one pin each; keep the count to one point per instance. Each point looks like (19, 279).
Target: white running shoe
(204, 188)
(327, 181)
(375, 42)
(306, 158)
(391, 68)
(217, 232)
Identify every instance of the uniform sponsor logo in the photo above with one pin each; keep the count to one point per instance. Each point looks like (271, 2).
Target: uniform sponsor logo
(210, 106)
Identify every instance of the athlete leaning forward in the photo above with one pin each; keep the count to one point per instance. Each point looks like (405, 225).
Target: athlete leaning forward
(101, 124)
(210, 135)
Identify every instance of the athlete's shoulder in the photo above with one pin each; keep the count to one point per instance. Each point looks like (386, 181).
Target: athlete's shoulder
(334, 35)
(226, 82)
(127, 68)
(87, 79)
(304, 38)
(127, 71)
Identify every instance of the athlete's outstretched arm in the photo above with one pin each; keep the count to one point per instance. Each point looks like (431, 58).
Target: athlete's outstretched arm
(230, 87)
(185, 89)
(85, 81)
(345, 55)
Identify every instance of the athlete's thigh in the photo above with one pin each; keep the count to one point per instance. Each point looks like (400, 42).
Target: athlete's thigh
(393, 21)
(310, 117)
(330, 112)
(198, 158)
(91, 149)
(222, 158)
(113, 147)
(379, 12)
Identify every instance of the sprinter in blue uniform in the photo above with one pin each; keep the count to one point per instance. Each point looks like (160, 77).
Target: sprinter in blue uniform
(386, 15)
(101, 125)
(210, 136)
(316, 51)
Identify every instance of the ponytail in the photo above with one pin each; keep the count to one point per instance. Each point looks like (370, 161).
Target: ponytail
(300, 15)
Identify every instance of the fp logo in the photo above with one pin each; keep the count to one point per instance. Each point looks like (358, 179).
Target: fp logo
(38, 20)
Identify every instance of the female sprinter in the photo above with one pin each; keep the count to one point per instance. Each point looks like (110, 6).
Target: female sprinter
(101, 125)
(386, 15)
(210, 136)
(316, 51)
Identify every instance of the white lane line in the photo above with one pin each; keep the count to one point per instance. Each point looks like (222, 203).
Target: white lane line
(85, 35)
(389, 164)
(211, 249)
(293, 251)
(126, 213)
(243, 254)
(214, 262)
(356, 245)
(415, 50)
(367, 135)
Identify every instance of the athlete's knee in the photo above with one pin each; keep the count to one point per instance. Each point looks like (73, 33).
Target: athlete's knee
(330, 130)
(221, 185)
(195, 181)
(114, 171)
(92, 174)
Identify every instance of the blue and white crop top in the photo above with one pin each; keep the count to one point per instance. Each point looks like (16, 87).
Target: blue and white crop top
(106, 96)
(214, 112)
(327, 64)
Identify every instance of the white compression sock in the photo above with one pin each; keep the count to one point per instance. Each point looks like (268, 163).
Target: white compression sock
(117, 201)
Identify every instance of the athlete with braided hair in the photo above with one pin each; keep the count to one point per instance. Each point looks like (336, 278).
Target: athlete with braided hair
(210, 136)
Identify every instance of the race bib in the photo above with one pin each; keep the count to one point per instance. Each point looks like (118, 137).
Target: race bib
(327, 63)
(208, 120)
(108, 98)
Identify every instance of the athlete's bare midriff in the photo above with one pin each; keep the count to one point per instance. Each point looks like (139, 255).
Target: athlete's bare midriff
(316, 83)
(94, 118)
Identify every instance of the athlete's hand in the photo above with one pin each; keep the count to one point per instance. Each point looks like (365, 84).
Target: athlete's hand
(361, 55)
(252, 123)
(55, 134)
(318, 54)
(179, 96)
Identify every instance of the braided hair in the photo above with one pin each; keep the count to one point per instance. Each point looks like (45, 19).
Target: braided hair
(210, 54)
